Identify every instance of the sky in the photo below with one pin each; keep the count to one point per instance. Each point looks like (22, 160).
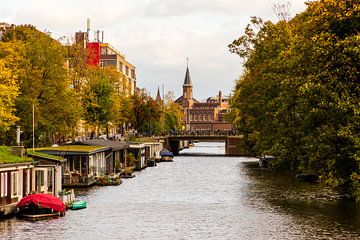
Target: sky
(157, 36)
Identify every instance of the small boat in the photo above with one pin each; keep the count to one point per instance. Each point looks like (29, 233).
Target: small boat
(40, 206)
(166, 156)
(78, 204)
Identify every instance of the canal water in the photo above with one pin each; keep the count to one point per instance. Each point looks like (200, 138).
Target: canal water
(201, 197)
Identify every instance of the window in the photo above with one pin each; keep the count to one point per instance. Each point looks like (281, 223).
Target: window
(103, 50)
(14, 184)
(121, 67)
(101, 64)
(127, 71)
(133, 73)
(50, 181)
(39, 180)
(3, 185)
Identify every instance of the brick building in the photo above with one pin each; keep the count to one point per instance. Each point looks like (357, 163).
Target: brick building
(103, 55)
(208, 115)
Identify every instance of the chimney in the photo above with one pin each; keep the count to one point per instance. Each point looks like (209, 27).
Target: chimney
(102, 36)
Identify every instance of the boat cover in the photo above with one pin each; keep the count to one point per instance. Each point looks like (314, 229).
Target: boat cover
(166, 153)
(43, 200)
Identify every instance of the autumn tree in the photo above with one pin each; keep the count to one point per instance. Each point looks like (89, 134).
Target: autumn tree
(98, 99)
(298, 98)
(43, 82)
(146, 113)
(9, 88)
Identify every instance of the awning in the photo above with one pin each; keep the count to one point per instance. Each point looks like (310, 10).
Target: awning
(43, 200)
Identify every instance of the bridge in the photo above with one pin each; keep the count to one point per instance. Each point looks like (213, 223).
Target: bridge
(234, 144)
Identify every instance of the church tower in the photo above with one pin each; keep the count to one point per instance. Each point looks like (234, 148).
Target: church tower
(187, 90)
(158, 97)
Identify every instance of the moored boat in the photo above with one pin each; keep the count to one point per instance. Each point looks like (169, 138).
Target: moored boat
(40, 206)
(166, 156)
(78, 204)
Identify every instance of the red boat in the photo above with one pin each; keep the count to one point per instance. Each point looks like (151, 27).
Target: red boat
(40, 206)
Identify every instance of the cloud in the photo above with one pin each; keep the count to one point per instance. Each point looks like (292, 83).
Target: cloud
(157, 35)
(69, 14)
(6, 15)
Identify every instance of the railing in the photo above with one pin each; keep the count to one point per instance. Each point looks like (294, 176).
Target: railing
(204, 133)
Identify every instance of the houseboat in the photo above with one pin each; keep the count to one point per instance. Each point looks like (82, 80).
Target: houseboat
(137, 151)
(83, 165)
(48, 167)
(115, 159)
(152, 152)
(23, 174)
(15, 180)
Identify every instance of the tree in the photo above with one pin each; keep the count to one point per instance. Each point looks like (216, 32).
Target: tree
(44, 83)
(146, 113)
(172, 113)
(98, 99)
(9, 87)
(298, 97)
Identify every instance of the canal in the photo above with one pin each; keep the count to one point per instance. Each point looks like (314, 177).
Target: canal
(201, 197)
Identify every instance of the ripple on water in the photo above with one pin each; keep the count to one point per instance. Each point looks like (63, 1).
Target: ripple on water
(202, 198)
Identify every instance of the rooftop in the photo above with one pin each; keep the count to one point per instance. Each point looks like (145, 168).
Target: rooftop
(44, 156)
(72, 148)
(7, 157)
(105, 143)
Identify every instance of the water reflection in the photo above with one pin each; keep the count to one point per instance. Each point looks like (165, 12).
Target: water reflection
(202, 197)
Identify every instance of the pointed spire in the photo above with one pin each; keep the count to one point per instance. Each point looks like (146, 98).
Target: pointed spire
(158, 97)
(187, 80)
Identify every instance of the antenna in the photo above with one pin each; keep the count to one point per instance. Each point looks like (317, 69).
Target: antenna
(88, 28)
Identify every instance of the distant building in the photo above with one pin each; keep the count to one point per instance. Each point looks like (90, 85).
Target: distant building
(209, 115)
(158, 97)
(103, 55)
(4, 28)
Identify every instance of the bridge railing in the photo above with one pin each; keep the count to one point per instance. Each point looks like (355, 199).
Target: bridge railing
(203, 133)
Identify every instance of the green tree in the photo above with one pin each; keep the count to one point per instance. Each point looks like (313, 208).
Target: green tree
(146, 112)
(172, 113)
(298, 98)
(98, 99)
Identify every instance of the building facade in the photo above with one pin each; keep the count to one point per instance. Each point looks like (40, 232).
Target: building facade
(104, 55)
(203, 116)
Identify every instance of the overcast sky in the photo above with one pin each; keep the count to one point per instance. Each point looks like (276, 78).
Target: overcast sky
(157, 35)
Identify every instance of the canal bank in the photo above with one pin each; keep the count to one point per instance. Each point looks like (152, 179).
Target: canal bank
(202, 197)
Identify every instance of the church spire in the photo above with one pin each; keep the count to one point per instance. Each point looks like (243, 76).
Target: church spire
(187, 80)
(158, 97)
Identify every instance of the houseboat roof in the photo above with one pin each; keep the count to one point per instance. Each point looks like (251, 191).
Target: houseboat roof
(151, 143)
(136, 145)
(72, 150)
(45, 156)
(6, 157)
(114, 145)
